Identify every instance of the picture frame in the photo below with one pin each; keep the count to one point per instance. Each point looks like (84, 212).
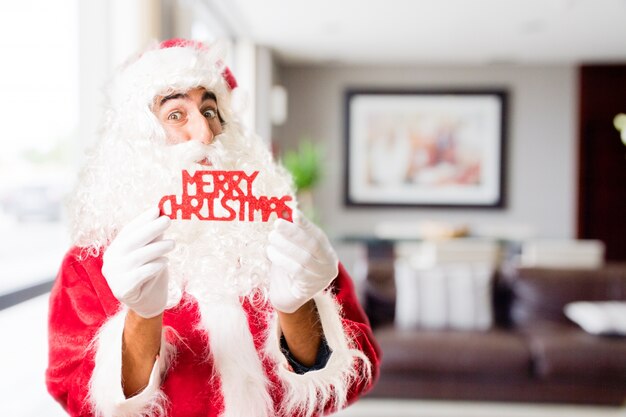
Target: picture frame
(438, 148)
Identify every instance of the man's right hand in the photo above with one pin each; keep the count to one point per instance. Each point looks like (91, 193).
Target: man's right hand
(135, 267)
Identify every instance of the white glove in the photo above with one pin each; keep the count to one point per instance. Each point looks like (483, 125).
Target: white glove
(135, 267)
(303, 263)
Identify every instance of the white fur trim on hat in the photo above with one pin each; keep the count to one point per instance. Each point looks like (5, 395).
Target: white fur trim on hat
(311, 393)
(105, 387)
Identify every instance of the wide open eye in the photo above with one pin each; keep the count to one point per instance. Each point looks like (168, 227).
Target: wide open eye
(210, 114)
(175, 116)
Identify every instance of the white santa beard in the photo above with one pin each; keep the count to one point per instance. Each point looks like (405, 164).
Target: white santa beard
(216, 259)
(219, 261)
(212, 259)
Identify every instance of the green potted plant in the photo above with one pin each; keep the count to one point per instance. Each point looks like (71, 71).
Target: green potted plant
(304, 164)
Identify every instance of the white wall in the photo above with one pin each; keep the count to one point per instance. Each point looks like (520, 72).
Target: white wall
(264, 82)
(541, 142)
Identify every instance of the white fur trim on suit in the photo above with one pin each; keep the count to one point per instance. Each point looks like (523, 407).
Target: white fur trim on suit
(243, 379)
(105, 387)
(313, 391)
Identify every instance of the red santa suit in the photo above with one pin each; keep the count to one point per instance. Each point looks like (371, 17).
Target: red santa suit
(85, 328)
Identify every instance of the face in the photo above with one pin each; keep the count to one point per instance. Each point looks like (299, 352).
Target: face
(192, 115)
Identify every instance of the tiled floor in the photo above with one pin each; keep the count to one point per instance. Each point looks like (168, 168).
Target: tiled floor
(23, 392)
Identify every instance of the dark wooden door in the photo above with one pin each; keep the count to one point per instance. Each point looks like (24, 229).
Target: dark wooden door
(602, 158)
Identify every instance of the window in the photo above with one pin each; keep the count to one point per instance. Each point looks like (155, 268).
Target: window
(39, 115)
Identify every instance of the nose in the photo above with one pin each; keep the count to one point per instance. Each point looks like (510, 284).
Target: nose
(199, 128)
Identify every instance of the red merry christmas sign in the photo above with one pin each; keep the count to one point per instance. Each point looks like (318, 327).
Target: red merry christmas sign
(223, 196)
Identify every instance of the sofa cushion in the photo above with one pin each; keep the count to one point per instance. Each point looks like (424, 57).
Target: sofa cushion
(460, 352)
(447, 296)
(570, 353)
(540, 294)
(600, 317)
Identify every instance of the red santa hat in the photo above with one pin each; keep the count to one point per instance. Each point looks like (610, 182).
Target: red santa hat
(174, 65)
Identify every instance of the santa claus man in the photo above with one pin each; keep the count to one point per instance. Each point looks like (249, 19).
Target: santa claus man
(153, 316)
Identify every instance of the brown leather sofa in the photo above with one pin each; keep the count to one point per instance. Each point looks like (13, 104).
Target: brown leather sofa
(533, 352)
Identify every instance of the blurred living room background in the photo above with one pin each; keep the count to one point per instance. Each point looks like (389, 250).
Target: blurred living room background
(467, 158)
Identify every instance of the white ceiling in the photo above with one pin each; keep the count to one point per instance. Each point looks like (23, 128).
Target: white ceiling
(432, 31)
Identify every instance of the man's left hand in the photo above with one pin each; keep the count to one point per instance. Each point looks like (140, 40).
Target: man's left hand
(303, 263)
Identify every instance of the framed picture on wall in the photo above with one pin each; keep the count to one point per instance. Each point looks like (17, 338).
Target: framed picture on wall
(425, 148)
